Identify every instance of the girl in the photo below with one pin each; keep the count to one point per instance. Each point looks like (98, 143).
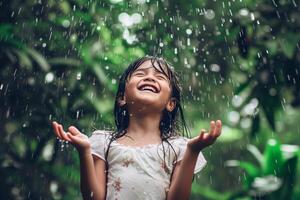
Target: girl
(145, 157)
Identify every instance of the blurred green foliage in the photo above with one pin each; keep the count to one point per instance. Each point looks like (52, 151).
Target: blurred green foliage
(275, 176)
(60, 60)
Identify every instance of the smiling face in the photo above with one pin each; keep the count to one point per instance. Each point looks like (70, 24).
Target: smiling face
(148, 88)
(150, 84)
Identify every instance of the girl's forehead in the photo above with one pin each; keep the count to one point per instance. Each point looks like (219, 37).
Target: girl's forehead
(154, 65)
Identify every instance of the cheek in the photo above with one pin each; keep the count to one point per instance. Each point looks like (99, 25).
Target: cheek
(129, 88)
(167, 89)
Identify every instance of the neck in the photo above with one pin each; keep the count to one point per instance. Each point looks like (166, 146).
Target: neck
(144, 124)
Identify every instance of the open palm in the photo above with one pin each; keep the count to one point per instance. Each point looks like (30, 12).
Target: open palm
(73, 135)
(205, 139)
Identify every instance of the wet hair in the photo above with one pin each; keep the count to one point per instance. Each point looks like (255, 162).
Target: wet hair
(171, 124)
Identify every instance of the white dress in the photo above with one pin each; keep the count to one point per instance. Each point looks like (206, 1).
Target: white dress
(139, 173)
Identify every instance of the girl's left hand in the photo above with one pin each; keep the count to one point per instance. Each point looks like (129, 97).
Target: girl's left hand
(205, 139)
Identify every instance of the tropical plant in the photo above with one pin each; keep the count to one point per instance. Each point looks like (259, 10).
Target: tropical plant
(274, 177)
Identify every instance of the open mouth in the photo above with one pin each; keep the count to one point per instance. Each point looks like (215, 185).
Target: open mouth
(148, 87)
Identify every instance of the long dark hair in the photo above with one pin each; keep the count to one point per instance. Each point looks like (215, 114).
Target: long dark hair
(170, 124)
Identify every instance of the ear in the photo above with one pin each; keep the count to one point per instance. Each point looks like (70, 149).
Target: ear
(121, 101)
(171, 104)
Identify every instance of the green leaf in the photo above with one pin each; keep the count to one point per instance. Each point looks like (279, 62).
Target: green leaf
(289, 178)
(64, 61)
(255, 125)
(39, 59)
(269, 109)
(289, 44)
(248, 167)
(99, 73)
(251, 170)
(273, 158)
(243, 86)
(256, 153)
(23, 58)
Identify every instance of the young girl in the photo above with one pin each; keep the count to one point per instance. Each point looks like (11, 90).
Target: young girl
(146, 157)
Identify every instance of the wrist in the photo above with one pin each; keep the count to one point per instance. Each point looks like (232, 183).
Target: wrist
(84, 151)
(192, 151)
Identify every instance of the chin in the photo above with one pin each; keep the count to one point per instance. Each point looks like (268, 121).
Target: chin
(143, 104)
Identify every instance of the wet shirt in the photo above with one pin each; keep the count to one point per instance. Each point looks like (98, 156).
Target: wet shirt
(140, 173)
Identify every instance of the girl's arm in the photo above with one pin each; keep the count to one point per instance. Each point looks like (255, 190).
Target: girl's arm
(92, 175)
(181, 181)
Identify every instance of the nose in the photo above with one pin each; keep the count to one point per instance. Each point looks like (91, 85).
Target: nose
(149, 77)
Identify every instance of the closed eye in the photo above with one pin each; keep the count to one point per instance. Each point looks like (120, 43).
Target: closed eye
(139, 74)
(161, 77)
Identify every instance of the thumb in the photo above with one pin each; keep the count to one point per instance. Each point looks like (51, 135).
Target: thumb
(74, 139)
(73, 130)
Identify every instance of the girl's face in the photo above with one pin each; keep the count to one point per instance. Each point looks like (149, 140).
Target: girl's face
(148, 88)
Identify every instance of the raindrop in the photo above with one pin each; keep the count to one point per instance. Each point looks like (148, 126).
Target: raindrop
(175, 51)
(49, 77)
(209, 14)
(215, 68)
(53, 186)
(66, 23)
(274, 3)
(77, 114)
(252, 17)
(188, 41)
(244, 12)
(44, 45)
(115, 1)
(78, 76)
(188, 31)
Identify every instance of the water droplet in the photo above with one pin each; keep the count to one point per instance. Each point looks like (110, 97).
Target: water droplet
(49, 77)
(188, 31)
(78, 76)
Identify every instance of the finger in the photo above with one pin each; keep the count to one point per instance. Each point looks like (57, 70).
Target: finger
(204, 135)
(73, 130)
(74, 139)
(63, 133)
(56, 131)
(212, 128)
(68, 136)
(218, 128)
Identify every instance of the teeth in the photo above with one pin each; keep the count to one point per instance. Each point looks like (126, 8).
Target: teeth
(148, 88)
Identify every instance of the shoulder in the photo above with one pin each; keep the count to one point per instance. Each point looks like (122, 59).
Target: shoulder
(178, 143)
(178, 140)
(102, 132)
(100, 136)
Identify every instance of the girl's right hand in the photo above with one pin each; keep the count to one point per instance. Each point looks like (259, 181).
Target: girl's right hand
(74, 136)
